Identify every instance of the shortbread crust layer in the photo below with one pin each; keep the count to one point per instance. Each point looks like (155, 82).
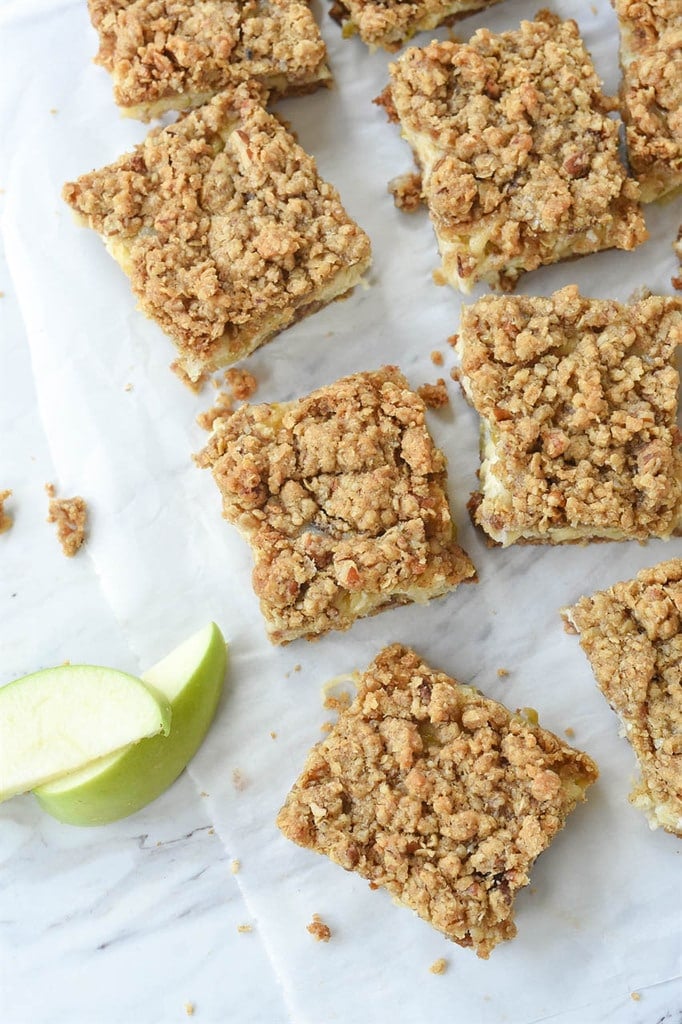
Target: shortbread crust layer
(443, 797)
(225, 228)
(341, 496)
(632, 637)
(519, 157)
(578, 404)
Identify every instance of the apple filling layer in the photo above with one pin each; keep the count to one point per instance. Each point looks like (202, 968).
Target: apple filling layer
(519, 157)
(341, 496)
(225, 228)
(578, 404)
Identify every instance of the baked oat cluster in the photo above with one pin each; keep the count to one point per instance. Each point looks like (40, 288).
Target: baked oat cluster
(631, 634)
(390, 23)
(341, 496)
(225, 228)
(578, 406)
(177, 54)
(519, 157)
(651, 92)
(438, 794)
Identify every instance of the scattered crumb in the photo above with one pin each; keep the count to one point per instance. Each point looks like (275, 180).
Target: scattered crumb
(182, 375)
(593, 9)
(235, 866)
(222, 407)
(128, 387)
(241, 383)
(636, 996)
(70, 515)
(319, 930)
(211, 832)
(189, 1009)
(273, 735)
(503, 673)
(456, 373)
(569, 732)
(66, 661)
(452, 340)
(439, 966)
(5, 520)
(2, 295)
(437, 358)
(406, 190)
(297, 668)
(326, 726)
(340, 703)
(244, 928)
(434, 396)
(238, 780)
(203, 793)
(53, 110)
(159, 843)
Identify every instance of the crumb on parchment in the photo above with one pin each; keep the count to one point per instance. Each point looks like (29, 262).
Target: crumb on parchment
(503, 673)
(439, 966)
(320, 931)
(235, 866)
(437, 358)
(244, 929)
(434, 396)
(222, 407)
(6, 520)
(70, 515)
(241, 383)
(406, 190)
(189, 1009)
(403, 788)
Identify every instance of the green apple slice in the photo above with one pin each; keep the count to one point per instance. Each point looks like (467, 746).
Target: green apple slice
(58, 720)
(191, 678)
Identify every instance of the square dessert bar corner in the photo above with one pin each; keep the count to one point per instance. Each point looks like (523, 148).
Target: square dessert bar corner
(225, 229)
(518, 155)
(632, 637)
(390, 23)
(176, 54)
(443, 797)
(578, 405)
(341, 496)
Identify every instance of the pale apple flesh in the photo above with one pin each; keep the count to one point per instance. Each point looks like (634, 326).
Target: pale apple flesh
(191, 679)
(61, 719)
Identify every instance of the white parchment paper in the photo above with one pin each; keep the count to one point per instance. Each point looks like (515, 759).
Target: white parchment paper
(601, 918)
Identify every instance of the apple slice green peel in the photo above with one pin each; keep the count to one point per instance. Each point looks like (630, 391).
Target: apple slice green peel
(190, 678)
(57, 720)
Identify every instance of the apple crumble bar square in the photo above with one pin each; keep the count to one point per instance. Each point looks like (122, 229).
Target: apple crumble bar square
(341, 496)
(578, 405)
(631, 635)
(225, 228)
(519, 157)
(438, 794)
(177, 54)
(651, 92)
(390, 23)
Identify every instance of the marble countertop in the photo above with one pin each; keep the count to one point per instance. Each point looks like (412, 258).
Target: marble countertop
(139, 922)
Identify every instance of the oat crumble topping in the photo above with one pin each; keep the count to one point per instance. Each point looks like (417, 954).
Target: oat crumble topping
(225, 228)
(631, 635)
(320, 931)
(651, 92)
(176, 54)
(578, 400)
(390, 23)
(341, 496)
(519, 158)
(438, 794)
(70, 515)
(435, 395)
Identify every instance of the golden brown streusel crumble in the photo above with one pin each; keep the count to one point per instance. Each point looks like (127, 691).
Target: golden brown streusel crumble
(320, 931)
(651, 92)
(406, 190)
(241, 383)
(631, 635)
(341, 496)
(435, 395)
(70, 515)
(176, 54)
(519, 158)
(225, 228)
(578, 404)
(390, 23)
(6, 520)
(438, 794)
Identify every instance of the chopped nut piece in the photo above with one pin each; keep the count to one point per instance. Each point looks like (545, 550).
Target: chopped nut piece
(390, 23)
(439, 966)
(441, 796)
(651, 92)
(435, 396)
(5, 519)
(320, 931)
(632, 637)
(519, 157)
(342, 497)
(176, 54)
(578, 401)
(70, 515)
(225, 228)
